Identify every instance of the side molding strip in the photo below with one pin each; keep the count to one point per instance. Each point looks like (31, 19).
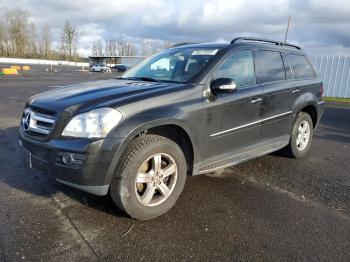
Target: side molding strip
(250, 124)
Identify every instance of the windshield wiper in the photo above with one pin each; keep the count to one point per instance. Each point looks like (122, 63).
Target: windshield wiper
(143, 78)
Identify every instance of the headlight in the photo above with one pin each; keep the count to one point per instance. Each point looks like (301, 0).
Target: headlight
(95, 123)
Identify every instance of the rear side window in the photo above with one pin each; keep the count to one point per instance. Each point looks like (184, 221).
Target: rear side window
(270, 66)
(238, 66)
(301, 67)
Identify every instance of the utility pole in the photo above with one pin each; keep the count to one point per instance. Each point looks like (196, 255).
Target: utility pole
(285, 39)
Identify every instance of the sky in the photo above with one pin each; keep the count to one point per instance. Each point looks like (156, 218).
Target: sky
(320, 26)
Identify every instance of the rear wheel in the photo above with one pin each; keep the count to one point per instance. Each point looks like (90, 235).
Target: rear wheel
(301, 137)
(149, 178)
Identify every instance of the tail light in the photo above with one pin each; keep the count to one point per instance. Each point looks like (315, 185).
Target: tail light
(321, 89)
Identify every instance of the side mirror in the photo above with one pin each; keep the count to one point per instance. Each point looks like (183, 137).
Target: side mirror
(223, 85)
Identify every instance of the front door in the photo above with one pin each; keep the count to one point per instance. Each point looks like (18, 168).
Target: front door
(233, 118)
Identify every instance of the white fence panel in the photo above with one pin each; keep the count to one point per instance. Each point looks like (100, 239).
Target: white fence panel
(335, 72)
(8, 60)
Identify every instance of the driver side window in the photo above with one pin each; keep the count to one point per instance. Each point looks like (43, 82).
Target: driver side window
(238, 66)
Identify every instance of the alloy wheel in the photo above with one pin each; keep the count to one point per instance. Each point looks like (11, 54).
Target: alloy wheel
(303, 136)
(156, 179)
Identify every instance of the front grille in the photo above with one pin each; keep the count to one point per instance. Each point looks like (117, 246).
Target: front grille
(38, 151)
(37, 122)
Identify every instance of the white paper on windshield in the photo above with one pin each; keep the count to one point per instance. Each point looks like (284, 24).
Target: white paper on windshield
(205, 52)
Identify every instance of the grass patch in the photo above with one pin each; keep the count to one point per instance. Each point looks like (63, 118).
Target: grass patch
(336, 99)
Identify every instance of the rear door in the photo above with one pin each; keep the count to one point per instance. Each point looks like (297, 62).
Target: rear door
(275, 78)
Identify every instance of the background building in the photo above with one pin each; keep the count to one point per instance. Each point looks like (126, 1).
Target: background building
(113, 60)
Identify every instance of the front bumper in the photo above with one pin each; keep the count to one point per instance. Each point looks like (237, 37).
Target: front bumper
(90, 173)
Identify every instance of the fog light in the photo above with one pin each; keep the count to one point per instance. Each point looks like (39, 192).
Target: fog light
(71, 159)
(68, 159)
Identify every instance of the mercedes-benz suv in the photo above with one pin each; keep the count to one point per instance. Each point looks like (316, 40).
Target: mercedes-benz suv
(187, 110)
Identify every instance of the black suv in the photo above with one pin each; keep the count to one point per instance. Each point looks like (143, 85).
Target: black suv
(191, 109)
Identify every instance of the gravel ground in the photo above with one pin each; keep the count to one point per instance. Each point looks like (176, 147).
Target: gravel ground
(271, 208)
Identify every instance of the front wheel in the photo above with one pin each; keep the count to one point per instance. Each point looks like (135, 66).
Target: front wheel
(301, 136)
(149, 178)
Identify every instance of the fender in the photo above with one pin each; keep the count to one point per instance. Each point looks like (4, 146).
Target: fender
(305, 99)
(141, 128)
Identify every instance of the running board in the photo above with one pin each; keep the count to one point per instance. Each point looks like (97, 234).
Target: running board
(242, 157)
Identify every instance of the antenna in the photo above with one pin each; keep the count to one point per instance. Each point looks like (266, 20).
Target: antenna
(285, 39)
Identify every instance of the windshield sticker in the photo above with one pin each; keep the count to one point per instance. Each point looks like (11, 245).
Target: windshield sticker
(205, 52)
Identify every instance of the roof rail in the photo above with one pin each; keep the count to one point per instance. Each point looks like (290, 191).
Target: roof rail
(264, 40)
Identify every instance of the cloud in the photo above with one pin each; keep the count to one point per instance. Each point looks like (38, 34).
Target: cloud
(316, 24)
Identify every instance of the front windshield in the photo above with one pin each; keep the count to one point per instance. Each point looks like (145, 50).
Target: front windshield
(172, 65)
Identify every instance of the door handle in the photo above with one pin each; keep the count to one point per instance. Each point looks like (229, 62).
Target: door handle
(256, 100)
(296, 91)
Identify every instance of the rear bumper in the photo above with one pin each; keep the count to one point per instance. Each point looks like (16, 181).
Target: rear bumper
(90, 173)
(320, 108)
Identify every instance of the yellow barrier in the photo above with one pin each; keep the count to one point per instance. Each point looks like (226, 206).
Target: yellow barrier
(9, 71)
(25, 68)
(16, 67)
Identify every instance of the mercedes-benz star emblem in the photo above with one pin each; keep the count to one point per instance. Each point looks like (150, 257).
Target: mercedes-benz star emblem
(26, 121)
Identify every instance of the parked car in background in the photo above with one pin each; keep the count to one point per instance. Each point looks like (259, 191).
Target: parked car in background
(187, 110)
(121, 68)
(101, 68)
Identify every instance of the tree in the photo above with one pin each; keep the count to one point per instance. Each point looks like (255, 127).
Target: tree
(126, 48)
(62, 49)
(70, 39)
(2, 35)
(97, 48)
(45, 45)
(17, 28)
(7, 47)
(32, 41)
(111, 47)
(19, 37)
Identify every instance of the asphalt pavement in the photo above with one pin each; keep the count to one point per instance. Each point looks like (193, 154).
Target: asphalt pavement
(269, 209)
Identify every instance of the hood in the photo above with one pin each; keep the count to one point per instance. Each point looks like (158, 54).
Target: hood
(83, 95)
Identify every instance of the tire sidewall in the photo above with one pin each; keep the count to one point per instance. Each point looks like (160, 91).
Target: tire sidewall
(127, 192)
(295, 151)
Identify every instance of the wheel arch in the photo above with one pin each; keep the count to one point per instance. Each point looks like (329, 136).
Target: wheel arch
(312, 111)
(177, 134)
(307, 103)
(175, 130)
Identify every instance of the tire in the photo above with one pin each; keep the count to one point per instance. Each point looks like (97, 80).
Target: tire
(139, 161)
(298, 148)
